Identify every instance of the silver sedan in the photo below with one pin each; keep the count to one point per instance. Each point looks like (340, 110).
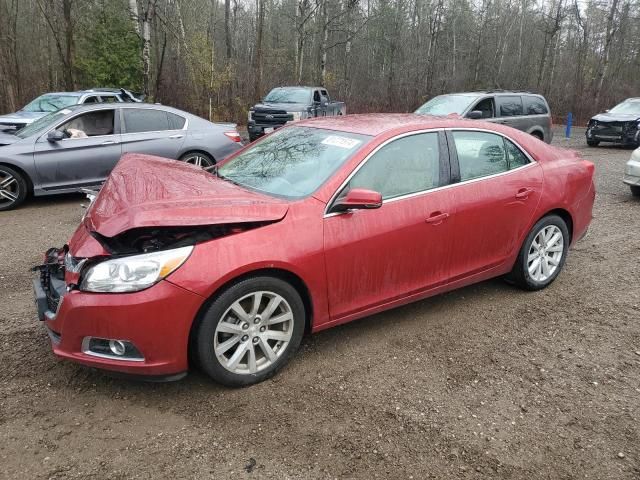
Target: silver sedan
(78, 146)
(632, 173)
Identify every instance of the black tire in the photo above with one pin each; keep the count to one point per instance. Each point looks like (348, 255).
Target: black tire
(635, 190)
(206, 332)
(538, 135)
(520, 275)
(593, 143)
(206, 160)
(14, 189)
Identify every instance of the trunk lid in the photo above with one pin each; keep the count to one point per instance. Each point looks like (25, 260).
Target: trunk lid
(147, 191)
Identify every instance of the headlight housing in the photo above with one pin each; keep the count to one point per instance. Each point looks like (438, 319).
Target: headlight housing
(133, 273)
(250, 115)
(298, 115)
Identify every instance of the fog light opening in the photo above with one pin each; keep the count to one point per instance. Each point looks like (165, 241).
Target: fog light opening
(111, 348)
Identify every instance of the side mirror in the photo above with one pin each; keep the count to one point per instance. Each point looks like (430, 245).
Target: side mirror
(358, 199)
(474, 115)
(55, 136)
(606, 111)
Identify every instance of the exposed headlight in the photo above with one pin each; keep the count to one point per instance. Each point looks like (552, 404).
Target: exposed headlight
(137, 272)
(250, 115)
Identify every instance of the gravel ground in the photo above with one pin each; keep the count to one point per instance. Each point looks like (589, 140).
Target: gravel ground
(484, 382)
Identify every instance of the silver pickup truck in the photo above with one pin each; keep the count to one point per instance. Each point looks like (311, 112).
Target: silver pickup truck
(288, 104)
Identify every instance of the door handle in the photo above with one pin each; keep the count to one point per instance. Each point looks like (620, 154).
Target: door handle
(178, 135)
(109, 142)
(524, 193)
(437, 218)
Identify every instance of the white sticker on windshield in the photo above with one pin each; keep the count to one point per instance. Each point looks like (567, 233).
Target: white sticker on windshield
(65, 111)
(342, 142)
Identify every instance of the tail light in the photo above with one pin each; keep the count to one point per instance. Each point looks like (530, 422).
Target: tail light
(233, 135)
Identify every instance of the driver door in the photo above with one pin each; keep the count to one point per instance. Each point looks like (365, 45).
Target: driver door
(376, 256)
(85, 157)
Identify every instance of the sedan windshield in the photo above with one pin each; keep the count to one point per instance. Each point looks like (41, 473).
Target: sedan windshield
(292, 162)
(445, 105)
(42, 124)
(289, 95)
(51, 102)
(631, 107)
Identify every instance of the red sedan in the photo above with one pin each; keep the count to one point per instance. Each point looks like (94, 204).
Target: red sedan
(320, 223)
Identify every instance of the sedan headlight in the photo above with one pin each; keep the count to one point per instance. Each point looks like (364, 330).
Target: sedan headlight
(137, 272)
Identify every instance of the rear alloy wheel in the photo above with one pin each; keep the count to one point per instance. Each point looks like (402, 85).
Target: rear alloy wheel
(13, 188)
(198, 159)
(542, 255)
(635, 190)
(250, 331)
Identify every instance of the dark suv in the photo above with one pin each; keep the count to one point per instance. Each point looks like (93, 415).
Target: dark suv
(525, 111)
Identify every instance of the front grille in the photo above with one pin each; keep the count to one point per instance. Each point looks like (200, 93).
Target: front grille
(609, 128)
(274, 117)
(53, 297)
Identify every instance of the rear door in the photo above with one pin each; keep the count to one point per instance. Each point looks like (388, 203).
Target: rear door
(152, 131)
(375, 256)
(510, 111)
(496, 197)
(86, 157)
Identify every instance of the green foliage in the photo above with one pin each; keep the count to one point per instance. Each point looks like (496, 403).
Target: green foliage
(109, 49)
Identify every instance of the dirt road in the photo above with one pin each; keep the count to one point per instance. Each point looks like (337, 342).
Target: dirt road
(485, 382)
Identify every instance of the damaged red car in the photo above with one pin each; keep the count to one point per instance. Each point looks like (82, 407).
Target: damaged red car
(320, 223)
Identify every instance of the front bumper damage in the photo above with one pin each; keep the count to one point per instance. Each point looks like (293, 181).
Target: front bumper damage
(156, 322)
(623, 133)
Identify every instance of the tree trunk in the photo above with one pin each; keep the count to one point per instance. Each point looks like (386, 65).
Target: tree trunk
(257, 59)
(323, 45)
(610, 34)
(69, 77)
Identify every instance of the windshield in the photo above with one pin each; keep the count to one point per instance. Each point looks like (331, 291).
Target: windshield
(289, 95)
(41, 124)
(446, 104)
(292, 162)
(51, 102)
(631, 107)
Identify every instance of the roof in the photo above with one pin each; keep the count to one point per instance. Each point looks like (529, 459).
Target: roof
(378, 123)
(100, 106)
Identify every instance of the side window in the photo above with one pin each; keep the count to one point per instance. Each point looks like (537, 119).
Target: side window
(325, 95)
(515, 155)
(407, 165)
(486, 107)
(479, 154)
(509, 106)
(92, 99)
(176, 122)
(144, 120)
(316, 96)
(109, 98)
(90, 124)
(534, 105)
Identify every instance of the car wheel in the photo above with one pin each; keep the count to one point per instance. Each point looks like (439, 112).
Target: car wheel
(13, 188)
(593, 143)
(635, 190)
(199, 159)
(538, 135)
(250, 331)
(542, 254)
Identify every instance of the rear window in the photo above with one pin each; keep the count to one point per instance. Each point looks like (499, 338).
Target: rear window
(509, 106)
(176, 122)
(534, 106)
(145, 120)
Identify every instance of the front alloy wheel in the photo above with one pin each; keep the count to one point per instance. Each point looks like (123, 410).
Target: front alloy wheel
(250, 331)
(13, 188)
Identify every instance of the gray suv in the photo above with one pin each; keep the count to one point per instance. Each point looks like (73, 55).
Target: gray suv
(525, 111)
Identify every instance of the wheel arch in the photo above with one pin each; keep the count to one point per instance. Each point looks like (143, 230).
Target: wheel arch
(564, 215)
(280, 273)
(22, 172)
(197, 150)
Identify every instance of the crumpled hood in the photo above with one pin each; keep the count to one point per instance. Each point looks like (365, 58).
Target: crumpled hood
(21, 117)
(147, 191)
(288, 107)
(616, 117)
